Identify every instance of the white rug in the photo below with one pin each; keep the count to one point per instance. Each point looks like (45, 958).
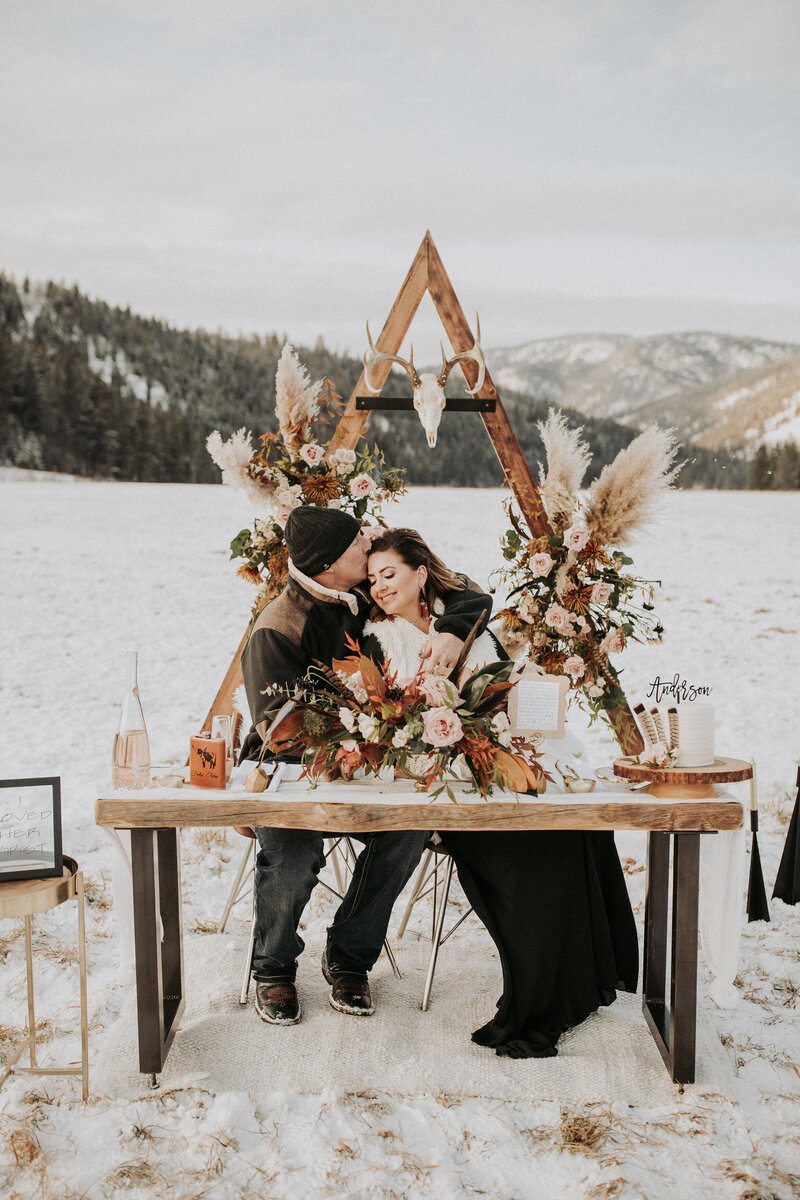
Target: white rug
(223, 1046)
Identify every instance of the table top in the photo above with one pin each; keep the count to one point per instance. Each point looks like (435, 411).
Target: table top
(722, 770)
(367, 805)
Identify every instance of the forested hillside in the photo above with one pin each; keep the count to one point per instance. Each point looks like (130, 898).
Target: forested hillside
(95, 390)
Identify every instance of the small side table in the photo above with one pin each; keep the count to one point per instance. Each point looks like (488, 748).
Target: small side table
(674, 1025)
(25, 898)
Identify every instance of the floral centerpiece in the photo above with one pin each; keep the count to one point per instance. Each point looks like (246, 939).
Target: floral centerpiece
(297, 466)
(357, 714)
(572, 600)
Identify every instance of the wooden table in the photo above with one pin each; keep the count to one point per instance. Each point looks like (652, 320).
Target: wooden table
(155, 816)
(673, 1024)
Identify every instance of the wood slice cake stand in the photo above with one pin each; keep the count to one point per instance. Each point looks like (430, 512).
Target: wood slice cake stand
(685, 783)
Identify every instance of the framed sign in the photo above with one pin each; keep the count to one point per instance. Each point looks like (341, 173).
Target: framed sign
(30, 828)
(537, 703)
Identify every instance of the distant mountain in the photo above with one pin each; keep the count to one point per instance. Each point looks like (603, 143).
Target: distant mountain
(702, 384)
(92, 389)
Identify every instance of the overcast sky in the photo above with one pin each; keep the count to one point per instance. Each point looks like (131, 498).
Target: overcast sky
(272, 165)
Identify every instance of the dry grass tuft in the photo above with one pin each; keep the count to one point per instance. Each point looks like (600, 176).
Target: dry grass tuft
(368, 1102)
(446, 1099)
(211, 839)
(788, 991)
(10, 1034)
(23, 1146)
(133, 1174)
(204, 927)
(607, 1190)
(97, 894)
(584, 1134)
(8, 941)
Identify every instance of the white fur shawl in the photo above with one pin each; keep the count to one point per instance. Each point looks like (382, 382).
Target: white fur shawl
(402, 645)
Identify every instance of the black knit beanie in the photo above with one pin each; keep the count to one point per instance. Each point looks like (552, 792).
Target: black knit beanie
(316, 537)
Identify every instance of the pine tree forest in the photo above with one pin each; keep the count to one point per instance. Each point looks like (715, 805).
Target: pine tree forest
(93, 390)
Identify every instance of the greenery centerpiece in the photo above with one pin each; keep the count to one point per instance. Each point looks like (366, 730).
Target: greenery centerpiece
(356, 714)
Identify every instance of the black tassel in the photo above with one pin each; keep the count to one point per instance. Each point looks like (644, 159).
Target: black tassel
(787, 881)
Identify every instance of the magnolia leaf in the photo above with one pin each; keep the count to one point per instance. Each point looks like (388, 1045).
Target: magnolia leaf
(511, 771)
(373, 680)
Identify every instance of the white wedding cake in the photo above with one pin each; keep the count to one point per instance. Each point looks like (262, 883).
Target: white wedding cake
(695, 735)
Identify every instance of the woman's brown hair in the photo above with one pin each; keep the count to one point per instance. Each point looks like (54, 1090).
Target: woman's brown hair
(415, 552)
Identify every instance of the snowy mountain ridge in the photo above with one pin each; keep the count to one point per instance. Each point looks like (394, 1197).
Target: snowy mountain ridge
(685, 380)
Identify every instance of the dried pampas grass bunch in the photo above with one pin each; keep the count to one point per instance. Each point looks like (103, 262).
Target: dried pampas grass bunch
(628, 491)
(296, 399)
(568, 456)
(233, 459)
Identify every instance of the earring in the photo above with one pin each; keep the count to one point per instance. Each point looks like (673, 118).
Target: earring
(424, 611)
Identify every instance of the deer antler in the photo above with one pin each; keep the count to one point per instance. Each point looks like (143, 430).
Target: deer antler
(476, 354)
(373, 356)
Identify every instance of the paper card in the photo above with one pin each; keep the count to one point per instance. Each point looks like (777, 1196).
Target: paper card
(537, 704)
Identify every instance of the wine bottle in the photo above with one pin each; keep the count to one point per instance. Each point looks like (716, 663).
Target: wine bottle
(131, 760)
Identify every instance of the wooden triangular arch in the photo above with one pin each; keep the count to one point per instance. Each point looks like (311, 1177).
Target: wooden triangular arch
(427, 274)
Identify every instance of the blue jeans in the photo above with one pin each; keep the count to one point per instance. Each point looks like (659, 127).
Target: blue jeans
(287, 867)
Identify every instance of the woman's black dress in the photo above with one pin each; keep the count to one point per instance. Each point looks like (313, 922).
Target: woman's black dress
(557, 908)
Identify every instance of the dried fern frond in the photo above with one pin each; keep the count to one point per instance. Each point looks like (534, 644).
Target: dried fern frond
(296, 399)
(628, 491)
(568, 456)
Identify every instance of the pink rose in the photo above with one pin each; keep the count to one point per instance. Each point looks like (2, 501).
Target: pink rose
(575, 667)
(441, 727)
(312, 453)
(600, 592)
(282, 516)
(344, 456)
(541, 564)
(361, 486)
(613, 642)
(576, 537)
(557, 616)
(438, 690)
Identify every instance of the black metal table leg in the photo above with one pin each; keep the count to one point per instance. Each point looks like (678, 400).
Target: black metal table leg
(683, 983)
(673, 1026)
(159, 947)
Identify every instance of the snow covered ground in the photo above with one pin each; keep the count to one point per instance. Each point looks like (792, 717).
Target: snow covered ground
(90, 569)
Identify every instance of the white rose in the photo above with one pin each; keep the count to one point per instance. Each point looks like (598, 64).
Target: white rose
(368, 727)
(348, 719)
(400, 739)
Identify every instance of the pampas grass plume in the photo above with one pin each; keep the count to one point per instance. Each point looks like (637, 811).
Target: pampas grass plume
(296, 403)
(233, 457)
(568, 456)
(628, 491)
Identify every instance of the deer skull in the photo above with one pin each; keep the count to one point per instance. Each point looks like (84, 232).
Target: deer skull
(429, 397)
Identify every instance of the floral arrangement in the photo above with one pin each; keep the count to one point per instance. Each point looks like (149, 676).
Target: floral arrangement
(297, 466)
(357, 714)
(572, 600)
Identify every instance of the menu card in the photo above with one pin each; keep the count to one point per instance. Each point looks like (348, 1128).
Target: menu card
(537, 703)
